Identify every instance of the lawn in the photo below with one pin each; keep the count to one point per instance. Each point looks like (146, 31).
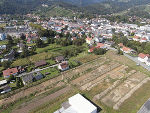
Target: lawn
(50, 62)
(85, 57)
(134, 103)
(52, 72)
(3, 42)
(31, 59)
(50, 47)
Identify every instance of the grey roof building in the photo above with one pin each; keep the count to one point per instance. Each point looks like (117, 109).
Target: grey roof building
(27, 79)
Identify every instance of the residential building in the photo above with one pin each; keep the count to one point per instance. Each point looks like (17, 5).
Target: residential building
(7, 73)
(63, 66)
(126, 49)
(143, 57)
(38, 76)
(40, 63)
(59, 59)
(27, 79)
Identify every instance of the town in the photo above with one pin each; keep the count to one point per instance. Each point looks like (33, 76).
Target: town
(35, 50)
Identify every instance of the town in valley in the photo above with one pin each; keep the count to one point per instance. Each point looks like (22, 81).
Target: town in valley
(72, 64)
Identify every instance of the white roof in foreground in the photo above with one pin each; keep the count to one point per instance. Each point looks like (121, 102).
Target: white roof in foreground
(82, 105)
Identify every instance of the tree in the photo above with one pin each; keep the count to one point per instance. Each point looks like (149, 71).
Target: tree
(119, 51)
(99, 51)
(19, 82)
(25, 52)
(39, 43)
(23, 37)
(11, 77)
(6, 64)
(10, 40)
(132, 34)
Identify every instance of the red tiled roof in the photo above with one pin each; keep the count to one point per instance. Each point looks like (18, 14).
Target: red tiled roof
(137, 37)
(144, 38)
(142, 55)
(126, 49)
(10, 71)
(100, 45)
(64, 65)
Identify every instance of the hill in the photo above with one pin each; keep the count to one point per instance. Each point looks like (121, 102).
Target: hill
(69, 7)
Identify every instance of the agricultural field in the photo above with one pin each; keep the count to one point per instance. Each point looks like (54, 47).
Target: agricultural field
(111, 81)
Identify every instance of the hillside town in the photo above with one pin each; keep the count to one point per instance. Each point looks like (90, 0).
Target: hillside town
(97, 33)
(36, 50)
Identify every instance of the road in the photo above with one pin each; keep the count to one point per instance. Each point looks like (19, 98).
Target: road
(135, 59)
(145, 108)
(37, 70)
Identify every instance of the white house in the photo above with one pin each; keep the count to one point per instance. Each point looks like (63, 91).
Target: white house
(143, 57)
(63, 66)
(148, 62)
(144, 39)
(126, 49)
(77, 104)
(136, 38)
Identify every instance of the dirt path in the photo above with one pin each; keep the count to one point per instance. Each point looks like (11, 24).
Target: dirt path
(36, 103)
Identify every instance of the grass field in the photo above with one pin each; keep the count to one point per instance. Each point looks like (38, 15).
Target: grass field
(52, 72)
(31, 59)
(124, 60)
(85, 57)
(3, 42)
(48, 48)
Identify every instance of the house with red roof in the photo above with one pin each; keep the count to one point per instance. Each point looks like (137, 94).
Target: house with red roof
(63, 66)
(144, 39)
(136, 38)
(126, 49)
(143, 57)
(99, 45)
(7, 73)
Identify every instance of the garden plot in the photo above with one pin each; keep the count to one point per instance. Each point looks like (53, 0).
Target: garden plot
(85, 68)
(85, 81)
(123, 89)
(117, 72)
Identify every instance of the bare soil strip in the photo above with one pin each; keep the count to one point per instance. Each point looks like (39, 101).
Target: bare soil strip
(36, 103)
(123, 89)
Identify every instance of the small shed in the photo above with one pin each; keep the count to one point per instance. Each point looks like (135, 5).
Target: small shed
(38, 76)
(59, 59)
